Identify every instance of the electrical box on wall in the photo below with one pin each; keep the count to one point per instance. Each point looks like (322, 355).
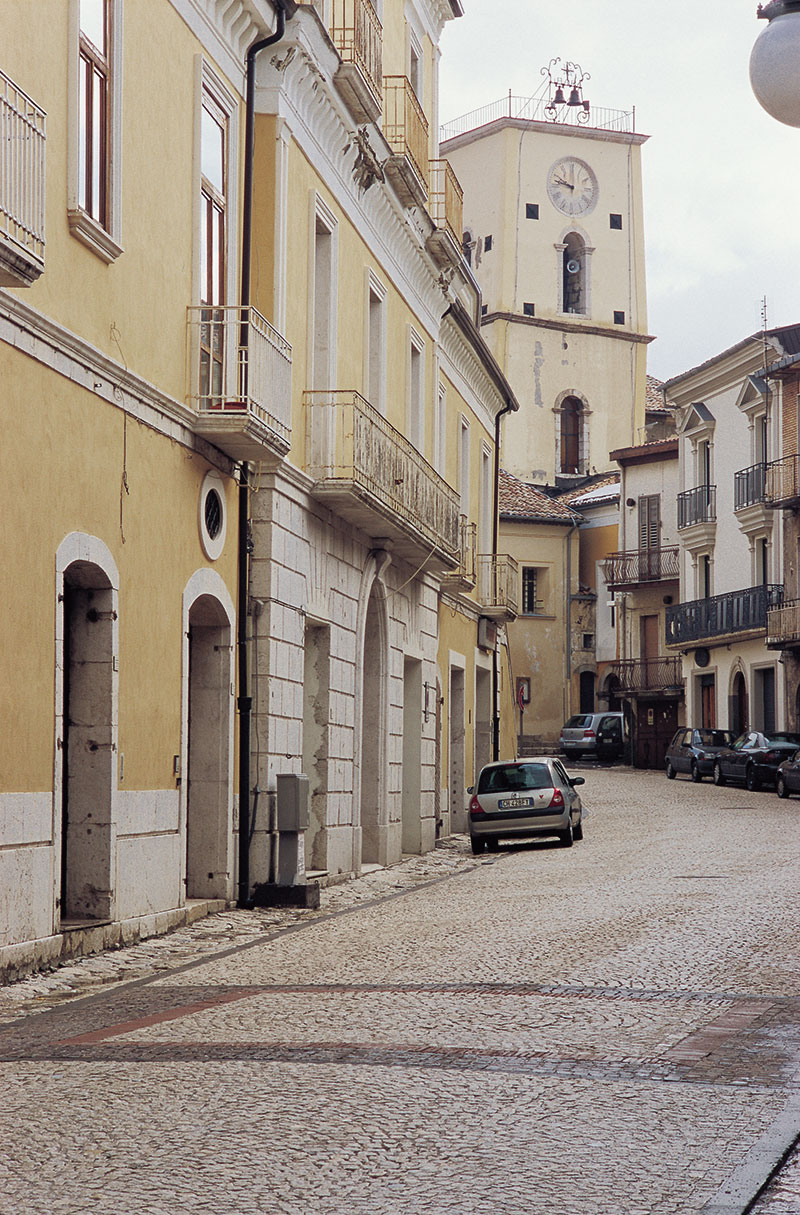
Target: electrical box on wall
(292, 801)
(487, 633)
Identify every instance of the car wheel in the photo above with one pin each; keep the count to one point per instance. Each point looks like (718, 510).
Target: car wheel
(577, 831)
(671, 773)
(478, 844)
(697, 775)
(781, 788)
(719, 775)
(567, 837)
(493, 843)
(751, 779)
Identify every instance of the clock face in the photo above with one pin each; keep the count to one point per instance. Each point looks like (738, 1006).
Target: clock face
(572, 186)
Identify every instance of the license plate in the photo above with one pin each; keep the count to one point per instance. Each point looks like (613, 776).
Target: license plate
(513, 803)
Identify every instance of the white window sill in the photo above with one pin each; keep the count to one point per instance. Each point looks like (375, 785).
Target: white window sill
(93, 235)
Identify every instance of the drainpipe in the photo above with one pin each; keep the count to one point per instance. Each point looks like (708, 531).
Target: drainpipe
(507, 408)
(568, 622)
(245, 702)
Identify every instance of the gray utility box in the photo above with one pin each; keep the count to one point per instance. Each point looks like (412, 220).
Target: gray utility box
(292, 802)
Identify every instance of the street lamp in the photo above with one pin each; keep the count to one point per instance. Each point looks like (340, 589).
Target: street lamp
(775, 61)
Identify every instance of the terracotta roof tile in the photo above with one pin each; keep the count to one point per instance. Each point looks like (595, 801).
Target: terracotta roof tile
(604, 489)
(518, 500)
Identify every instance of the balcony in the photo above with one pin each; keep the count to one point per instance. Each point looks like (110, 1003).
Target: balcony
(241, 382)
(638, 567)
(649, 677)
(749, 486)
(697, 506)
(498, 580)
(783, 625)
(722, 616)
(446, 208)
(463, 577)
(22, 160)
(405, 128)
(358, 37)
(371, 475)
(783, 482)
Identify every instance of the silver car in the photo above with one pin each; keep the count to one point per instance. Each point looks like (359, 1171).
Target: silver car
(525, 798)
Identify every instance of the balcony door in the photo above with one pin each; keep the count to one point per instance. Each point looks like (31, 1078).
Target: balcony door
(649, 536)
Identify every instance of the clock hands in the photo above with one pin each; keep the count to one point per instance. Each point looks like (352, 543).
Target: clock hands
(560, 182)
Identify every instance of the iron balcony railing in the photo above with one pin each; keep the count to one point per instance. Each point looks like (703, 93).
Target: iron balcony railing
(358, 37)
(783, 481)
(635, 566)
(465, 574)
(638, 675)
(405, 125)
(354, 454)
(783, 625)
(697, 506)
(446, 200)
(240, 366)
(22, 203)
(720, 615)
(498, 581)
(749, 486)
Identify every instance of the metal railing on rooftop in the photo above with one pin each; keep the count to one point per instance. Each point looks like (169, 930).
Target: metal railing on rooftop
(534, 109)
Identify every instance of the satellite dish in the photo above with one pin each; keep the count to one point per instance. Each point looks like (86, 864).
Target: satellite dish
(573, 266)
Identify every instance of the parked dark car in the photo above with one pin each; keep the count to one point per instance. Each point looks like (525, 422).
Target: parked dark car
(787, 778)
(693, 750)
(754, 758)
(523, 799)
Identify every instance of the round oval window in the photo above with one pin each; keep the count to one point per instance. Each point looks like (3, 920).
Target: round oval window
(211, 515)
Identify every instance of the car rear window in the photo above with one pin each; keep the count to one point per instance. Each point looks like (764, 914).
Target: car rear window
(714, 738)
(514, 776)
(781, 737)
(579, 722)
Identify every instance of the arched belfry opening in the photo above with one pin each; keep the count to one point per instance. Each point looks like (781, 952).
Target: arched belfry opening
(571, 444)
(574, 274)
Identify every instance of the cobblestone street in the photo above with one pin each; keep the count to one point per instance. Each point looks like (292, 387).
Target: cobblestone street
(611, 1029)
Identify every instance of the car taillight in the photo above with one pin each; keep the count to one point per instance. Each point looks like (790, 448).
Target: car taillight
(475, 807)
(557, 799)
(589, 734)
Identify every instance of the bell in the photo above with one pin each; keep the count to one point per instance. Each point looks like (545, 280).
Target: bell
(574, 98)
(559, 98)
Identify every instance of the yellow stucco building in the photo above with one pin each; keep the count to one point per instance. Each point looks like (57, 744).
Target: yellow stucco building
(257, 531)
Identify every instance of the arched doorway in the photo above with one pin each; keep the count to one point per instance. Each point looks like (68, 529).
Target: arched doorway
(87, 749)
(208, 820)
(739, 713)
(373, 748)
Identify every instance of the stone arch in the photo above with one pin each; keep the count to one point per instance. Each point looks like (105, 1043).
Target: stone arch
(572, 415)
(370, 784)
(86, 727)
(207, 725)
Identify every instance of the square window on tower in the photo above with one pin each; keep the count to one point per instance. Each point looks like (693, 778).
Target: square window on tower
(487, 244)
(619, 318)
(528, 310)
(615, 221)
(531, 210)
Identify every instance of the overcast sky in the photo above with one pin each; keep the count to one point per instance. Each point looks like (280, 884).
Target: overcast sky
(721, 178)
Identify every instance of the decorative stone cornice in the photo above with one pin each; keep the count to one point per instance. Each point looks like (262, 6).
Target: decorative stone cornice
(227, 28)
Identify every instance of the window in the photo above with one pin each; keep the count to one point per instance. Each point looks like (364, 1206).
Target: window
(704, 577)
(762, 562)
(615, 221)
(213, 229)
(619, 318)
(528, 310)
(323, 300)
(463, 466)
(531, 587)
(415, 390)
(571, 420)
(441, 430)
(375, 354)
(588, 641)
(415, 66)
(95, 97)
(649, 520)
(487, 243)
(484, 309)
(93, 107)
(531, 210)
(487, 500)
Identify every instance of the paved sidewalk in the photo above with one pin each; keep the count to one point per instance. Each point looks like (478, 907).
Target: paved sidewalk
(611, 1029)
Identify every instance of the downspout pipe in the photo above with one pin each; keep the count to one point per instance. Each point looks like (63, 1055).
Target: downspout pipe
(507, 408)
(245, 701)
